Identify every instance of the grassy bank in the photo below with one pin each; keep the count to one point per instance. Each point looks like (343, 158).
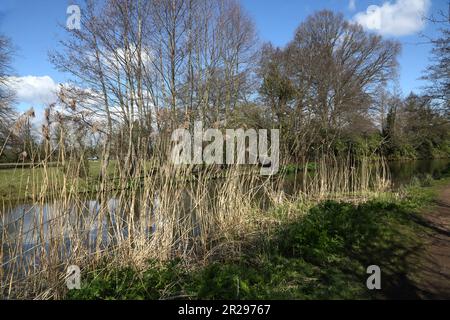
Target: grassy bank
(18, 182)
(319, 254)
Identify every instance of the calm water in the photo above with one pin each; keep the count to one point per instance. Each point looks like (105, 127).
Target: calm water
(403, 172)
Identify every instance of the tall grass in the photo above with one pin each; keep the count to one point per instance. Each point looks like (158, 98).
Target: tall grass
(159, 212)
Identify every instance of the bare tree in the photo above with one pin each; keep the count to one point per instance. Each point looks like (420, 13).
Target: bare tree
(438, 73)
(335, 67)
(6, 95)
(153, 65)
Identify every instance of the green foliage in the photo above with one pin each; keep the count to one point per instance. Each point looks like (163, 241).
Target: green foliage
(323, 255)
(128, 283)
(292, 168)
(359, 145)
(401, 151)
(416, 130)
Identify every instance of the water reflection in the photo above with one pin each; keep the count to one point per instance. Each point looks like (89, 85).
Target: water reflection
(403, 172)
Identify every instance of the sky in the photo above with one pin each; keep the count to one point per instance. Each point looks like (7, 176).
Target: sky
(35, 29)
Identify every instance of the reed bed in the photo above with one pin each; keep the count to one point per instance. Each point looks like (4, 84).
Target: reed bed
(160, 213)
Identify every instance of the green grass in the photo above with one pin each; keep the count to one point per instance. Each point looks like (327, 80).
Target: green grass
(323, 255)
(293, 168)
(17, 184)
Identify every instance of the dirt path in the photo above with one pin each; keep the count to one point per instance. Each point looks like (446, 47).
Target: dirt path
(432, 276)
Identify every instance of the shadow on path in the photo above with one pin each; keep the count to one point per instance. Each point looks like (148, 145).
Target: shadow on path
(432, 275)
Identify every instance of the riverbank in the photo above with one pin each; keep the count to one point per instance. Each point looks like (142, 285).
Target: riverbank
(314, 252)
(20, 184)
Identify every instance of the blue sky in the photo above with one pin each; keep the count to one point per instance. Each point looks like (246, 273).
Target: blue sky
(33, 27)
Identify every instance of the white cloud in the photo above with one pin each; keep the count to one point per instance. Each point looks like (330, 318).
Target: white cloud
(400, 18)
(352, 5)
(33, 90)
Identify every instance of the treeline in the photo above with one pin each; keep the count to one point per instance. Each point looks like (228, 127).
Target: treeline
(413, 128)
(142, 69)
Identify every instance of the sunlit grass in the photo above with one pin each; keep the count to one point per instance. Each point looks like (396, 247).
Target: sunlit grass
(17, 184)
